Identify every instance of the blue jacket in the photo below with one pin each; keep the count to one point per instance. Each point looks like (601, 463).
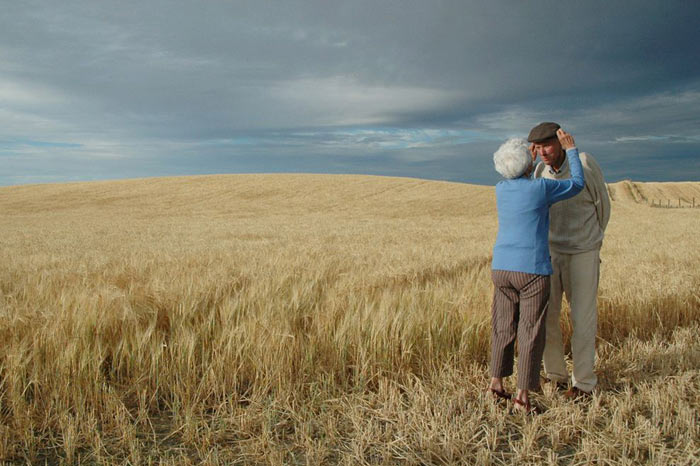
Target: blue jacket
(522, 244)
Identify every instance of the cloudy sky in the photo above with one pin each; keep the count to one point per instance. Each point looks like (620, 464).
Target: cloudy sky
(101, 90)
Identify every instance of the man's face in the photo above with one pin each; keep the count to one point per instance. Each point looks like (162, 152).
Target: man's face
(549, 151)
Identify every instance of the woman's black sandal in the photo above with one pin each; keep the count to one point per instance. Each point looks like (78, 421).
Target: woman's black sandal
(527, 408)
(500, 395)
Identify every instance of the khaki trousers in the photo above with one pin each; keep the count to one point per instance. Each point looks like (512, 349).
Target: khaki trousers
(518, 311)
(576, 276)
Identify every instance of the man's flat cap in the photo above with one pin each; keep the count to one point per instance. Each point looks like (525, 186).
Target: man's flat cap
(543, 131)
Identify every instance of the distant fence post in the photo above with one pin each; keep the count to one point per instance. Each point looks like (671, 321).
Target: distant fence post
(679, 202)
(668, 204)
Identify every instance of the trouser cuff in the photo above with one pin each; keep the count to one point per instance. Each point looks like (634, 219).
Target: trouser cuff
(584, 388)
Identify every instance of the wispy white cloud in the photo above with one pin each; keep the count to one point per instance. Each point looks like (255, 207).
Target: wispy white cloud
(353, 142)
(513, 121)
(24, 94)
(345, 101)
(641, 138)
(670, 138)
(672, 116)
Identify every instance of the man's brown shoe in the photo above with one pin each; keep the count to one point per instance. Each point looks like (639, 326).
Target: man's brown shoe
(558, 386)
(576, 394)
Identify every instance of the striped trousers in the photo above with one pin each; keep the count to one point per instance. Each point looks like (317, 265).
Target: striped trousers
(519, 310)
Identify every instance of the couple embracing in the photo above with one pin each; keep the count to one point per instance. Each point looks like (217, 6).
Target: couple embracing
(559, 207)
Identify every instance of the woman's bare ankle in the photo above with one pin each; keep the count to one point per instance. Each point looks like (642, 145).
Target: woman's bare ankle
(523, 397)
(497, 384)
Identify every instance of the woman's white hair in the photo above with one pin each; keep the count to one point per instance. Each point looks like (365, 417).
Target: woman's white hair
(513, 158)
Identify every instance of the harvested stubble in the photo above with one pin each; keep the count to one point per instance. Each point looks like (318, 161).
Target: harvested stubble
(276, 319)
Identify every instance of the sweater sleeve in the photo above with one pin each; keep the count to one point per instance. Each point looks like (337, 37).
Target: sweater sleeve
(558, 190)
(599, 192)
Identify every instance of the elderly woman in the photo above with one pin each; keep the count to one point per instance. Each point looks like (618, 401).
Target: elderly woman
(521, 265)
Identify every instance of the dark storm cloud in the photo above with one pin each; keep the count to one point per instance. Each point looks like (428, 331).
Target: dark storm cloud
(429, 89)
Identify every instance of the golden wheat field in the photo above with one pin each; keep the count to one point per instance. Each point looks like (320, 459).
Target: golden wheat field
(319, 319)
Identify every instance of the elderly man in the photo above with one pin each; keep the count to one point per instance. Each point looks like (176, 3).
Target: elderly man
(576, 231)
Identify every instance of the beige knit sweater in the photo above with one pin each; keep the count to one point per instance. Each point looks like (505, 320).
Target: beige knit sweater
(578, 224)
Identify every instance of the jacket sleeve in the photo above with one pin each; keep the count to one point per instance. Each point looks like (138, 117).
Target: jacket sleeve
(598, 190)
(558, 190)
